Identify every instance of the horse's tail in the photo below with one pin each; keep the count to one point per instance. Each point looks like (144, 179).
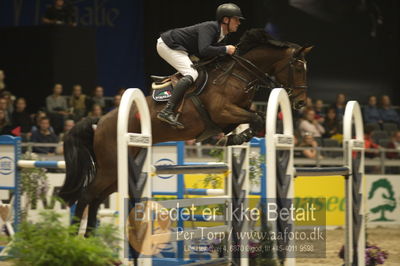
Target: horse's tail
(80, 161)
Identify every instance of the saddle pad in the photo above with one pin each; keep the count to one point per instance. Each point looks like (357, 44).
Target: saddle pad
(163, 94)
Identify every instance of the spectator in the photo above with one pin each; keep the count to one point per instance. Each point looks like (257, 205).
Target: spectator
(394, 144)
(371, 111)
(96, 111)
(3, 107)
(331, 124)
(298, 114)
(309, 141)
(38, 116)
(369, 142)
(9, 102)
(57, 108)
(5, 126)
(20, 118)
(3, 86)
(340, 105)
(59, 13)
(116, 102)
(309, 103)
(56, 103)
(44, 135)
(68, 125)
(319, 111)
(310, 125)
(79, 103)
(387, 112)
(98, 97)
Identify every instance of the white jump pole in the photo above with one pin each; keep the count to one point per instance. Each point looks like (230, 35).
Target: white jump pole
(125, 139)
(353, 114)
(279, 98)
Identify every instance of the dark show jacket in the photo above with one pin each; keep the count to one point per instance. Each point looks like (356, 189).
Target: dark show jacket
(200, 39)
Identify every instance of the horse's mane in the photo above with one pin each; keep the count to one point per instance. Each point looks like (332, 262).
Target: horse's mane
(258, 37)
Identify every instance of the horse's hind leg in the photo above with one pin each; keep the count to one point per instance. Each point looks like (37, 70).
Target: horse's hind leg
(94, 208)
(79, 209)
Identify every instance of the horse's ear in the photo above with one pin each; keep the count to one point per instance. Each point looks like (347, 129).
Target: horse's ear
(303, 51)
(308, 49)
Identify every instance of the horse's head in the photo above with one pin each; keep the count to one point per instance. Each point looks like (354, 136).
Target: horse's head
(291, 73)
(283, 62)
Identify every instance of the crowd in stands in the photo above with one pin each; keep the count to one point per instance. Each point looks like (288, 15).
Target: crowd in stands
(317, 124)
(50, 123)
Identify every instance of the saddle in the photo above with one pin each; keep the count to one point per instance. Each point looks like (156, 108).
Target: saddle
(162, 86)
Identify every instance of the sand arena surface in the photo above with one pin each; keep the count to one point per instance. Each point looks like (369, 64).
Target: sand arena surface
(387, 239)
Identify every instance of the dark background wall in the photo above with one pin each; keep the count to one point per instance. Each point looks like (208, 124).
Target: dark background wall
(347, 57)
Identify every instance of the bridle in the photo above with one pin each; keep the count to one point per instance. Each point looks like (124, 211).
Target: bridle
(263, 79)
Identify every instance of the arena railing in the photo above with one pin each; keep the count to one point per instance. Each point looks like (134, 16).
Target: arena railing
(380, 161)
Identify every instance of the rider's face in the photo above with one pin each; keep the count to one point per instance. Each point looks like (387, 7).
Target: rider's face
(234, 24)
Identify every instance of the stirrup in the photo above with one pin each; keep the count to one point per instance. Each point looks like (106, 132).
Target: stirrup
(174, 123)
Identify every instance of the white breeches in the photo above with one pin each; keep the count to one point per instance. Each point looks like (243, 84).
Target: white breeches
(178, 59)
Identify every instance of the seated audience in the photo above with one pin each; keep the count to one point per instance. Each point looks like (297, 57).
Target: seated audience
(60, 13)
(9, 102)
(20, 118)
(116, 102)
(309, 141)
(331, 124)
(68, 124)
(394, 144)
(340, 105)
(44, 135)
(4, 108)
(38, 116)
(369, 143)
(5, 126)
(96, 111)
(371, 112)
(98, 97)
(387, 112)
(79, 103)
(319, 111)
(3, 86)
(56, 103)
(310, 125)
(57, 108)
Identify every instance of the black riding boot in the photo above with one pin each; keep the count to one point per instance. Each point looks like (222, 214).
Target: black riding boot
(167, 114)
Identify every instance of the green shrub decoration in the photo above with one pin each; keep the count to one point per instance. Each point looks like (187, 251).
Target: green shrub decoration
(49, 242)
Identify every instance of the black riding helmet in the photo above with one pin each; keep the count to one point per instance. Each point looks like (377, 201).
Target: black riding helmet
(228, 10)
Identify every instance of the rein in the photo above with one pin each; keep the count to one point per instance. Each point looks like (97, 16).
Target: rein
(262, 78)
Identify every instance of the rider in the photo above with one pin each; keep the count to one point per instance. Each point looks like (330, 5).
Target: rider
(202, 40)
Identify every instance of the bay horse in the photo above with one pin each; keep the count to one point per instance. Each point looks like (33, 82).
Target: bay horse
(261, 62)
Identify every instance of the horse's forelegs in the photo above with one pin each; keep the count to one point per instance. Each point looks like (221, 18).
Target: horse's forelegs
(237, 115)
(237, 139)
